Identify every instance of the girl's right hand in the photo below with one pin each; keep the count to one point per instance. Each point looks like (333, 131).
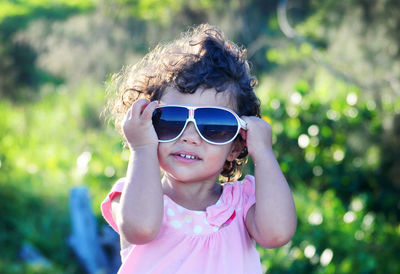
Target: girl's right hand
(138, 126)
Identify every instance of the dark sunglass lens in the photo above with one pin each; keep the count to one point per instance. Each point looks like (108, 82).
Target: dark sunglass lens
(216, 125)
(168, 122)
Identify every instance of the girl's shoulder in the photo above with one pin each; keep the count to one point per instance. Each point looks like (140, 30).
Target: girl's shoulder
(240, 189)
(105, 206)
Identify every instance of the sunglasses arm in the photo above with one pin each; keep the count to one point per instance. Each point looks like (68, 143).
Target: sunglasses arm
(243, 124)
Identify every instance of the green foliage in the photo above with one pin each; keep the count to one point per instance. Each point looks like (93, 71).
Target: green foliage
(43, 149)
(18, 67)
(22, 8)
(335, 239)
(162, 12)
(326, 144)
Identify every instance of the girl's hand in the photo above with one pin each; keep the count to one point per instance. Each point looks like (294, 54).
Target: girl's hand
(258, 137)
(137, 124)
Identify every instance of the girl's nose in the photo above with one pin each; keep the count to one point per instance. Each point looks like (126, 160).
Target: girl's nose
(190, 134)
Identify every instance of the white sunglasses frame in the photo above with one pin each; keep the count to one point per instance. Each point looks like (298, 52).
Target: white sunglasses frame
(241, 123)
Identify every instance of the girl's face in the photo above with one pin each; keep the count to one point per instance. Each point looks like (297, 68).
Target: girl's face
(207, 160)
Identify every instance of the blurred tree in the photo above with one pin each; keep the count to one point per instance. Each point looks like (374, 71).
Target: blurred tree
(19, 73)
(353, 42)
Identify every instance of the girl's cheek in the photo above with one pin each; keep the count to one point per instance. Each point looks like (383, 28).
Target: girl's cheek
(162, 153)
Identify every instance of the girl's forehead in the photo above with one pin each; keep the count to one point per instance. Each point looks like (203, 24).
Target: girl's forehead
(201, 97)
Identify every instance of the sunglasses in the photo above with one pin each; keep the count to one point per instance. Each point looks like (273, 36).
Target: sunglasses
(215, 125)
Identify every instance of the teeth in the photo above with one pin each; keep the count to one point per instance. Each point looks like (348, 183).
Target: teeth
(187, 156)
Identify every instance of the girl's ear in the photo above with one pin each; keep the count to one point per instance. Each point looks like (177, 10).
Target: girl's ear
(237, 148)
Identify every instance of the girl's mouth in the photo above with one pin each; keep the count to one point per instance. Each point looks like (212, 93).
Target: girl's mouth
(186, 157)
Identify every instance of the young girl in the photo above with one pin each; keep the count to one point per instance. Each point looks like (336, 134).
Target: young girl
(190, 117)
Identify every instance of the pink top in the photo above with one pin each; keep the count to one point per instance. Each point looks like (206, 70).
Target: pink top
(203, 242)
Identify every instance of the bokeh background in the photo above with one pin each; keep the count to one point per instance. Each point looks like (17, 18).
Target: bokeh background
(329, 82)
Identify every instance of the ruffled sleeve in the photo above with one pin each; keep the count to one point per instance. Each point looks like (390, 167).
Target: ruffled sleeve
(106, 204)
(248, 193)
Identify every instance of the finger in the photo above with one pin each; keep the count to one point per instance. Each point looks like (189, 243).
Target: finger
(149, 109)
(248, 120)
(138, 106)
(245, 118)
(243, 133)
(127, 115)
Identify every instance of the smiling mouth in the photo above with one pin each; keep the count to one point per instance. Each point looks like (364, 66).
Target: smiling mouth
(187, 156)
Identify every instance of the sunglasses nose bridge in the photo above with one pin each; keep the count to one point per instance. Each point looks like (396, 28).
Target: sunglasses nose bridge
(190, 132)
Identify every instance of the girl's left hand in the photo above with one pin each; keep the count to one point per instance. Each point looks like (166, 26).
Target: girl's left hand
(258, 136)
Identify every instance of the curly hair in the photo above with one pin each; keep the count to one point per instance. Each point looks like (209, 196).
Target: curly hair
(200, 58)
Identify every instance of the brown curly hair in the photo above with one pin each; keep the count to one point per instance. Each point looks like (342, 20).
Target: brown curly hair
(200, 58)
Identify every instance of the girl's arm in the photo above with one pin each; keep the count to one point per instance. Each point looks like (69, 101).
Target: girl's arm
(139, 211)
(272, 220)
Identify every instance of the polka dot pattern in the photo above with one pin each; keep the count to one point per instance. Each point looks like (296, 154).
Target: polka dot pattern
(233, 204)
(197, 229)
(191, 222)
(218, 230)
(176, 224)
(188, 219)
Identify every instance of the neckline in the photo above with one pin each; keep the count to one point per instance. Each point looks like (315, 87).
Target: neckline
(198, 211)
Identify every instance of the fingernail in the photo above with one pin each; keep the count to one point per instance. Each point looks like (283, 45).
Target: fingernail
(143, 107)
